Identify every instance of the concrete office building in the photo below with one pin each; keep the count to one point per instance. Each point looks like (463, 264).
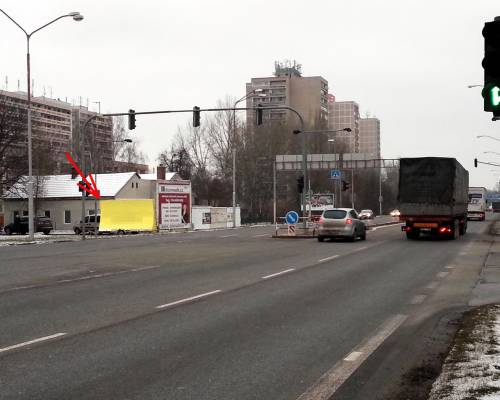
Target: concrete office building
(344, 114)
(308, 95)
(369, 136)
(55, 127)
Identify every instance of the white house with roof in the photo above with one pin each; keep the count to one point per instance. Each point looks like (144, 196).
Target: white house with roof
(58, 196)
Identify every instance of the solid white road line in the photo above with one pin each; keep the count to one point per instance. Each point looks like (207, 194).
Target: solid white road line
(199, 296)
(278, 273)
(226, 236)
(418, 299)
(450, 267)
(432, 285)
(384, 226)
(328, 258)
(265, 234)
(42, 339)
(442, 274)
(329, 383)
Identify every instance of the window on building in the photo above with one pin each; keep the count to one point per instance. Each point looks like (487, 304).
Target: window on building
(25, 213)
(47, 213)
(67, 216)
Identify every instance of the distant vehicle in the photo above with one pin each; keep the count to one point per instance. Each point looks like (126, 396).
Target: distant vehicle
(89, 226)
(366, 214)
(395, 213)
(21, 226)
(342, 223)
(495, 206)
(477, 203)
(433, 196)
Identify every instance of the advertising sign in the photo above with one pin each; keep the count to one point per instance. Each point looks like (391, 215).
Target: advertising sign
(174, 204)
(320, 201)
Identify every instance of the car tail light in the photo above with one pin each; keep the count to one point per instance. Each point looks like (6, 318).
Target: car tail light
(348, 221)
(444, 229)
(321, 220)
(406, 228)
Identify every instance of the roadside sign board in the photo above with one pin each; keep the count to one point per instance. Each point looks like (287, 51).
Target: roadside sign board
(291, 230)
(335, 174)
(291, 217)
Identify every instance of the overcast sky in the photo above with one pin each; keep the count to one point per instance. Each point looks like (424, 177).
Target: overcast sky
(406, 62)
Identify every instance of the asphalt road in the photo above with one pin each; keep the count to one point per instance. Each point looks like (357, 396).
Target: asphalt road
(228, 314)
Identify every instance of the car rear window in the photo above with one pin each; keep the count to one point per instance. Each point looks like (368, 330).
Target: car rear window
(366, 211)
(335, 214)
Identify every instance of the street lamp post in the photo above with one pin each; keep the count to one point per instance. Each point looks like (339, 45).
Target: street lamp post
(249, 94)
(77, 17)
(488, 136)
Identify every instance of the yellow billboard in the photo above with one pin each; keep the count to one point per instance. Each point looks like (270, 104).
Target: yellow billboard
(127, 215)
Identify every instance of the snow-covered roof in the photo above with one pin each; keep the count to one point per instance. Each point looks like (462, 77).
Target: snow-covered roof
(153, 177)
(57, 186)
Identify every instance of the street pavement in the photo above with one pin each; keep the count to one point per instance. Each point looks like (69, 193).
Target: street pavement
(224, 314)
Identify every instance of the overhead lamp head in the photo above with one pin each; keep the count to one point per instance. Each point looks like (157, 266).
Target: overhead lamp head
(76, 15)
(347, 129)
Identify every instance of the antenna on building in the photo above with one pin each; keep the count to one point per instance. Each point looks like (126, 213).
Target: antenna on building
(44, 91)
(18, 85)
(6, 82)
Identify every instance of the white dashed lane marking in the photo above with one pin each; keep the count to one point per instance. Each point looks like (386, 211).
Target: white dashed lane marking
(199, 296)
(418, 299)
(328, 258)
(24, 344)
(279, 273)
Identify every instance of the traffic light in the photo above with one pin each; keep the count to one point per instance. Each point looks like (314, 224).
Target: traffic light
(345, 186)
(260, 111)
(475, 162)
(491, 65)
(300, 184)
(84, 184)
(131, 119)
(196, 116)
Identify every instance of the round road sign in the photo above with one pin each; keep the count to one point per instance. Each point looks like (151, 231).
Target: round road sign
(291, 217)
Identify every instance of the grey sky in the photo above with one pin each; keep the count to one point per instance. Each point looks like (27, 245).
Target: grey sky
(406, 62)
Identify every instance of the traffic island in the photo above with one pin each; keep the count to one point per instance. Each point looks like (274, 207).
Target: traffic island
(294, 232)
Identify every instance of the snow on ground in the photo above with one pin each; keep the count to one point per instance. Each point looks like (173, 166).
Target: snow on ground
(471, 370)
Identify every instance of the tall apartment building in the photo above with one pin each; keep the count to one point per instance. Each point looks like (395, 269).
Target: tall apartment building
(369, 136)
(308, 95)
(344, 114)
(54, 125)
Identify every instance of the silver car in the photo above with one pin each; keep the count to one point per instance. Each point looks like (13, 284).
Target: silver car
(341, 222)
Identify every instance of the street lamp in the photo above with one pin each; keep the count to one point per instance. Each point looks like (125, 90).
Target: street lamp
(257, 92)
(471, 86)
(77, 17)
(488, 136)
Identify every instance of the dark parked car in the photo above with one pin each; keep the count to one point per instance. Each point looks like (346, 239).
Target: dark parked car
(90, 225)
(20, 225)
(341, 222)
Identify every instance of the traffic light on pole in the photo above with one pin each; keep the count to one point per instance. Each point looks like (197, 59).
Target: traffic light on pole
(300, 184)
(491, 65)
(475, 162)
(196, 116)
(131, 119)
(345, 186)
(260, 111)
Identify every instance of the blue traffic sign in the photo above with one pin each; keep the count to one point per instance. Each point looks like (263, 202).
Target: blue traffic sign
(291, 217)
(335, 174)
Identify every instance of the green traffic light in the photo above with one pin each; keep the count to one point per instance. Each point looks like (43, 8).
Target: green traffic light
(495, 96)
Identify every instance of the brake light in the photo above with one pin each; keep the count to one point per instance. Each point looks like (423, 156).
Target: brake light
(321, 220)
(444, 229)
(348, 221)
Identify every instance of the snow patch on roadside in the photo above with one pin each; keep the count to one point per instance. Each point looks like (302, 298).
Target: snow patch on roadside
(472, 368)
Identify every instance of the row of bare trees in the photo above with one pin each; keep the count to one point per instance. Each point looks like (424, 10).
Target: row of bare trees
(204, 155)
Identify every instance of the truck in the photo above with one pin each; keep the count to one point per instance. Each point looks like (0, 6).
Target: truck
(495, 206)
(477, 203)
(433, 197)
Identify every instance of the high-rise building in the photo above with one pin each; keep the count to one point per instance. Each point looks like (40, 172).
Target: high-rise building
(369, 136)
(54, 126)
(308, 95)
(344, 114)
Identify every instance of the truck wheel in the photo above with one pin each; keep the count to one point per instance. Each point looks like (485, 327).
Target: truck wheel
(455, 231)
(463, 228)
(78, 231)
